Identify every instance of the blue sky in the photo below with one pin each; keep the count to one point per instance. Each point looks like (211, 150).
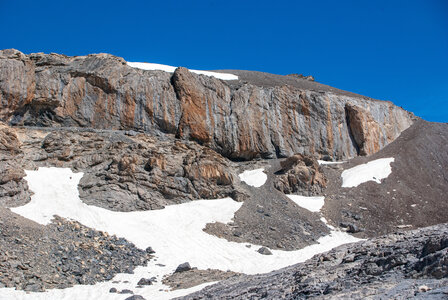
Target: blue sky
(389, 50)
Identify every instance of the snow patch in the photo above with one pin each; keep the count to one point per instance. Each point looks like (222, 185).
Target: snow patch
(374, 170)
(171, 69)
(254, 178)
(313, 204)
(175, 233)
(324, 162)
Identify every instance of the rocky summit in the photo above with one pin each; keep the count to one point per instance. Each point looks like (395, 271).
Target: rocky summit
(259, 185)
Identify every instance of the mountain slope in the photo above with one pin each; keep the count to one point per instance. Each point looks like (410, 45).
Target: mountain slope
(413, 195)
(398, 266)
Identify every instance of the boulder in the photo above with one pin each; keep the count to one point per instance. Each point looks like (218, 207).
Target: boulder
(183, 267)
(300, 174)
(264, 251)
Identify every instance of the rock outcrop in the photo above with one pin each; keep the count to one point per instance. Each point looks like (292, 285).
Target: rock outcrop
(301, 76)
(300, 173)
(399, 266)
(13, 188)
(239, 119)
(123, 171)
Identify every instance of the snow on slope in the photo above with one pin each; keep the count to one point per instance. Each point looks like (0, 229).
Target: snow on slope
(170, 69)
(313, 204)
(324, 162)
(175, 233)
(254, 178)
(374, 170)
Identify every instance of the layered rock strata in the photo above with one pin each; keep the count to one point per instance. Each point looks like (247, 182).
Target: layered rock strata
(239, 119)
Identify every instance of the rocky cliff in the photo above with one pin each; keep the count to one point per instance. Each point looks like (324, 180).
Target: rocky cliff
(260, 115)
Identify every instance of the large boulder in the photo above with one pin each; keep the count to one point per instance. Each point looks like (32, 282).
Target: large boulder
(300, 174)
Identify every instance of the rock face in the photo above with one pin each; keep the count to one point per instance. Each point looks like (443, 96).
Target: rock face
(239, 119)
(388, 267)
(300, 173)
(364, 129)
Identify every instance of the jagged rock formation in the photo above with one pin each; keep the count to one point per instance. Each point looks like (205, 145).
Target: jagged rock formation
(241, 119)
(300, 174)
(269, 218)
(388, 267)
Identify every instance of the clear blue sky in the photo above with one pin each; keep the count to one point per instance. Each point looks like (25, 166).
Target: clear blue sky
(390, 50)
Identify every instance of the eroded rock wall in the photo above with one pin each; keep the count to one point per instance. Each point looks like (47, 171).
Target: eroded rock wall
(241, 120)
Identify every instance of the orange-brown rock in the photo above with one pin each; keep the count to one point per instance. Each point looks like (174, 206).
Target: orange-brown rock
(364, 129)
(9, 143)
(300, 174)
(195, 118)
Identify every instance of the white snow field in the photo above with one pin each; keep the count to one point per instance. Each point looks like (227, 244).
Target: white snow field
(374, 170)
(175, 233)
(170, 69)
(313, 204)
(255, 178)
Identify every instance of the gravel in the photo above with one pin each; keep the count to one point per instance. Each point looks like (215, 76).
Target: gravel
(34, 257)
